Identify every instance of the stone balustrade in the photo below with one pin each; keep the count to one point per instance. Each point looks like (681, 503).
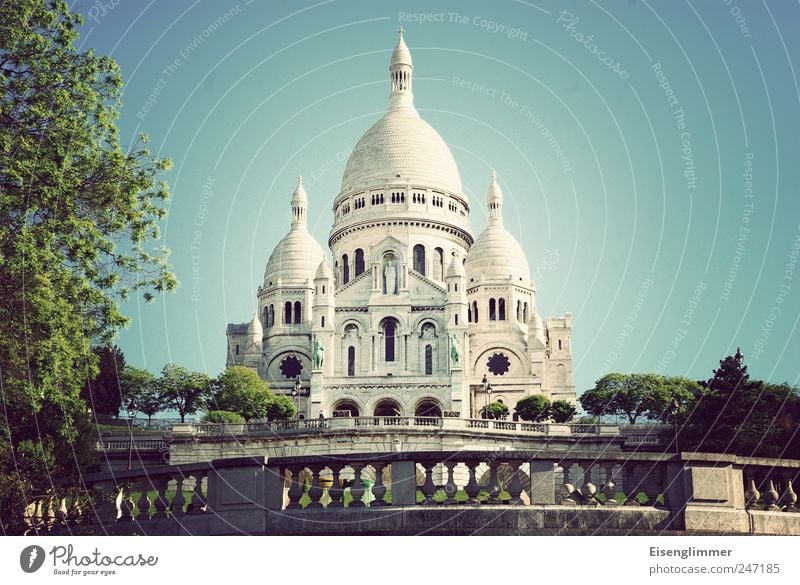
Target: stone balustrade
(453, 492)
(321, 426)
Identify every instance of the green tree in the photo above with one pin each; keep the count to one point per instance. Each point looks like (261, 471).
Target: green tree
(562, 411)
(78, 216)
(734, 414)
(103, 393)
(496, 410)
(240, 389)
(637, 396)
(223, 416)
(183, 390)
(534, 408)
(281, 408)
(140, 391)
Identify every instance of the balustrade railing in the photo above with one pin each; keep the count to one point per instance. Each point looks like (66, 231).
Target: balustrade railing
(661, 484)
(322, 425)
(164, 492)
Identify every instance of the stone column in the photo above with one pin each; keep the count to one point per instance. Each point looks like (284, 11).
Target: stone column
(315, 394)
(404, 483)
(542, 488)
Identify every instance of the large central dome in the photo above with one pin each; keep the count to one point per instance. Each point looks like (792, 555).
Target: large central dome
(401, 146)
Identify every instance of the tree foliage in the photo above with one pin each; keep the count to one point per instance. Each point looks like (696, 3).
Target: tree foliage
(240, 389)
(103, 393)
(78, 218)
(496, 410)
(733, 414)
(562, 411)
(535, 407)
(183, 390)
(141, 392)
(281, 408)
(223, 417)
(637, 396)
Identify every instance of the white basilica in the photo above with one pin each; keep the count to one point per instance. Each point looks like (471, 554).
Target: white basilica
(413, 315)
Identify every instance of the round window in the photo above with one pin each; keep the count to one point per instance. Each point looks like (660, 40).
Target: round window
(498, 364)
(291, 367)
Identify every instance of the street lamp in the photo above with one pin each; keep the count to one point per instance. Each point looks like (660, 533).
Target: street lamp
(295, 394)
(488, 398)
(675, 407)
(485, 384)
(131, 418)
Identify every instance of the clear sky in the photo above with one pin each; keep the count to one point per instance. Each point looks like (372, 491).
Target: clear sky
(648, 151)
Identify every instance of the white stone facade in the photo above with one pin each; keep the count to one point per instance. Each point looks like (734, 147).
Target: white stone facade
(412, 311)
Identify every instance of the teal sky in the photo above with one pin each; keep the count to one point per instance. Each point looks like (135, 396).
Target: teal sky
(656, 194)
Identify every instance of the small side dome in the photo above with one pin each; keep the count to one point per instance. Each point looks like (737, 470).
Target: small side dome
(456, 267)
(324, 271)
(254, 328)
(496, 254)
(296, 257)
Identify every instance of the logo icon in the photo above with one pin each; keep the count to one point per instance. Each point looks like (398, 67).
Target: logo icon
(31, 558)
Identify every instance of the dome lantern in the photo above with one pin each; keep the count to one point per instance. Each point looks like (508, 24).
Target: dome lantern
(401, 71)
(299, 205)
(494, 201)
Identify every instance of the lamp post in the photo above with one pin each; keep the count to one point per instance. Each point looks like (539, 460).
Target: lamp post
(131, 418)
(488, 398)
(295, 394)
(675, 407)
(485, 384)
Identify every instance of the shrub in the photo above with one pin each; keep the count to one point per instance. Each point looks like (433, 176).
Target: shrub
(534, 408)
(496, 410)
(562, 411)
(223, 416)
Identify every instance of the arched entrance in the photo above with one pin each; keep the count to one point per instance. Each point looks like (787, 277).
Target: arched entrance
(347, 405)
(428, 408)
(387, 407)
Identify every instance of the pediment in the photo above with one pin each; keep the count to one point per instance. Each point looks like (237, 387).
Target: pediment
(356, 291)
(420, 288)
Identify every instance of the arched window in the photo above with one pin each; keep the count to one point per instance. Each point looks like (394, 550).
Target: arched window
(271, 315)
(287, 313)
(347, 405)
(419, 258)
(492, 310)
(525, 312)
(322, 322)
(387, 407)
(351, 361)
(265, 321)
(501, 309)
(469, 313)
(359, 261)
(428, 360)
(456, 318)
(519, 310)
(559, 344)
(345, 270)
(389, 332)
(298, 312)
(475, 311)
(438, 264)
(428, 408)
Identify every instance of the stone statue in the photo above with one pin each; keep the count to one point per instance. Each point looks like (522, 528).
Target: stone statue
(318, 354)
(455, 351)
(390, 277)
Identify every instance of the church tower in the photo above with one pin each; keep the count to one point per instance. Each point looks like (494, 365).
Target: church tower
(412, 311)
